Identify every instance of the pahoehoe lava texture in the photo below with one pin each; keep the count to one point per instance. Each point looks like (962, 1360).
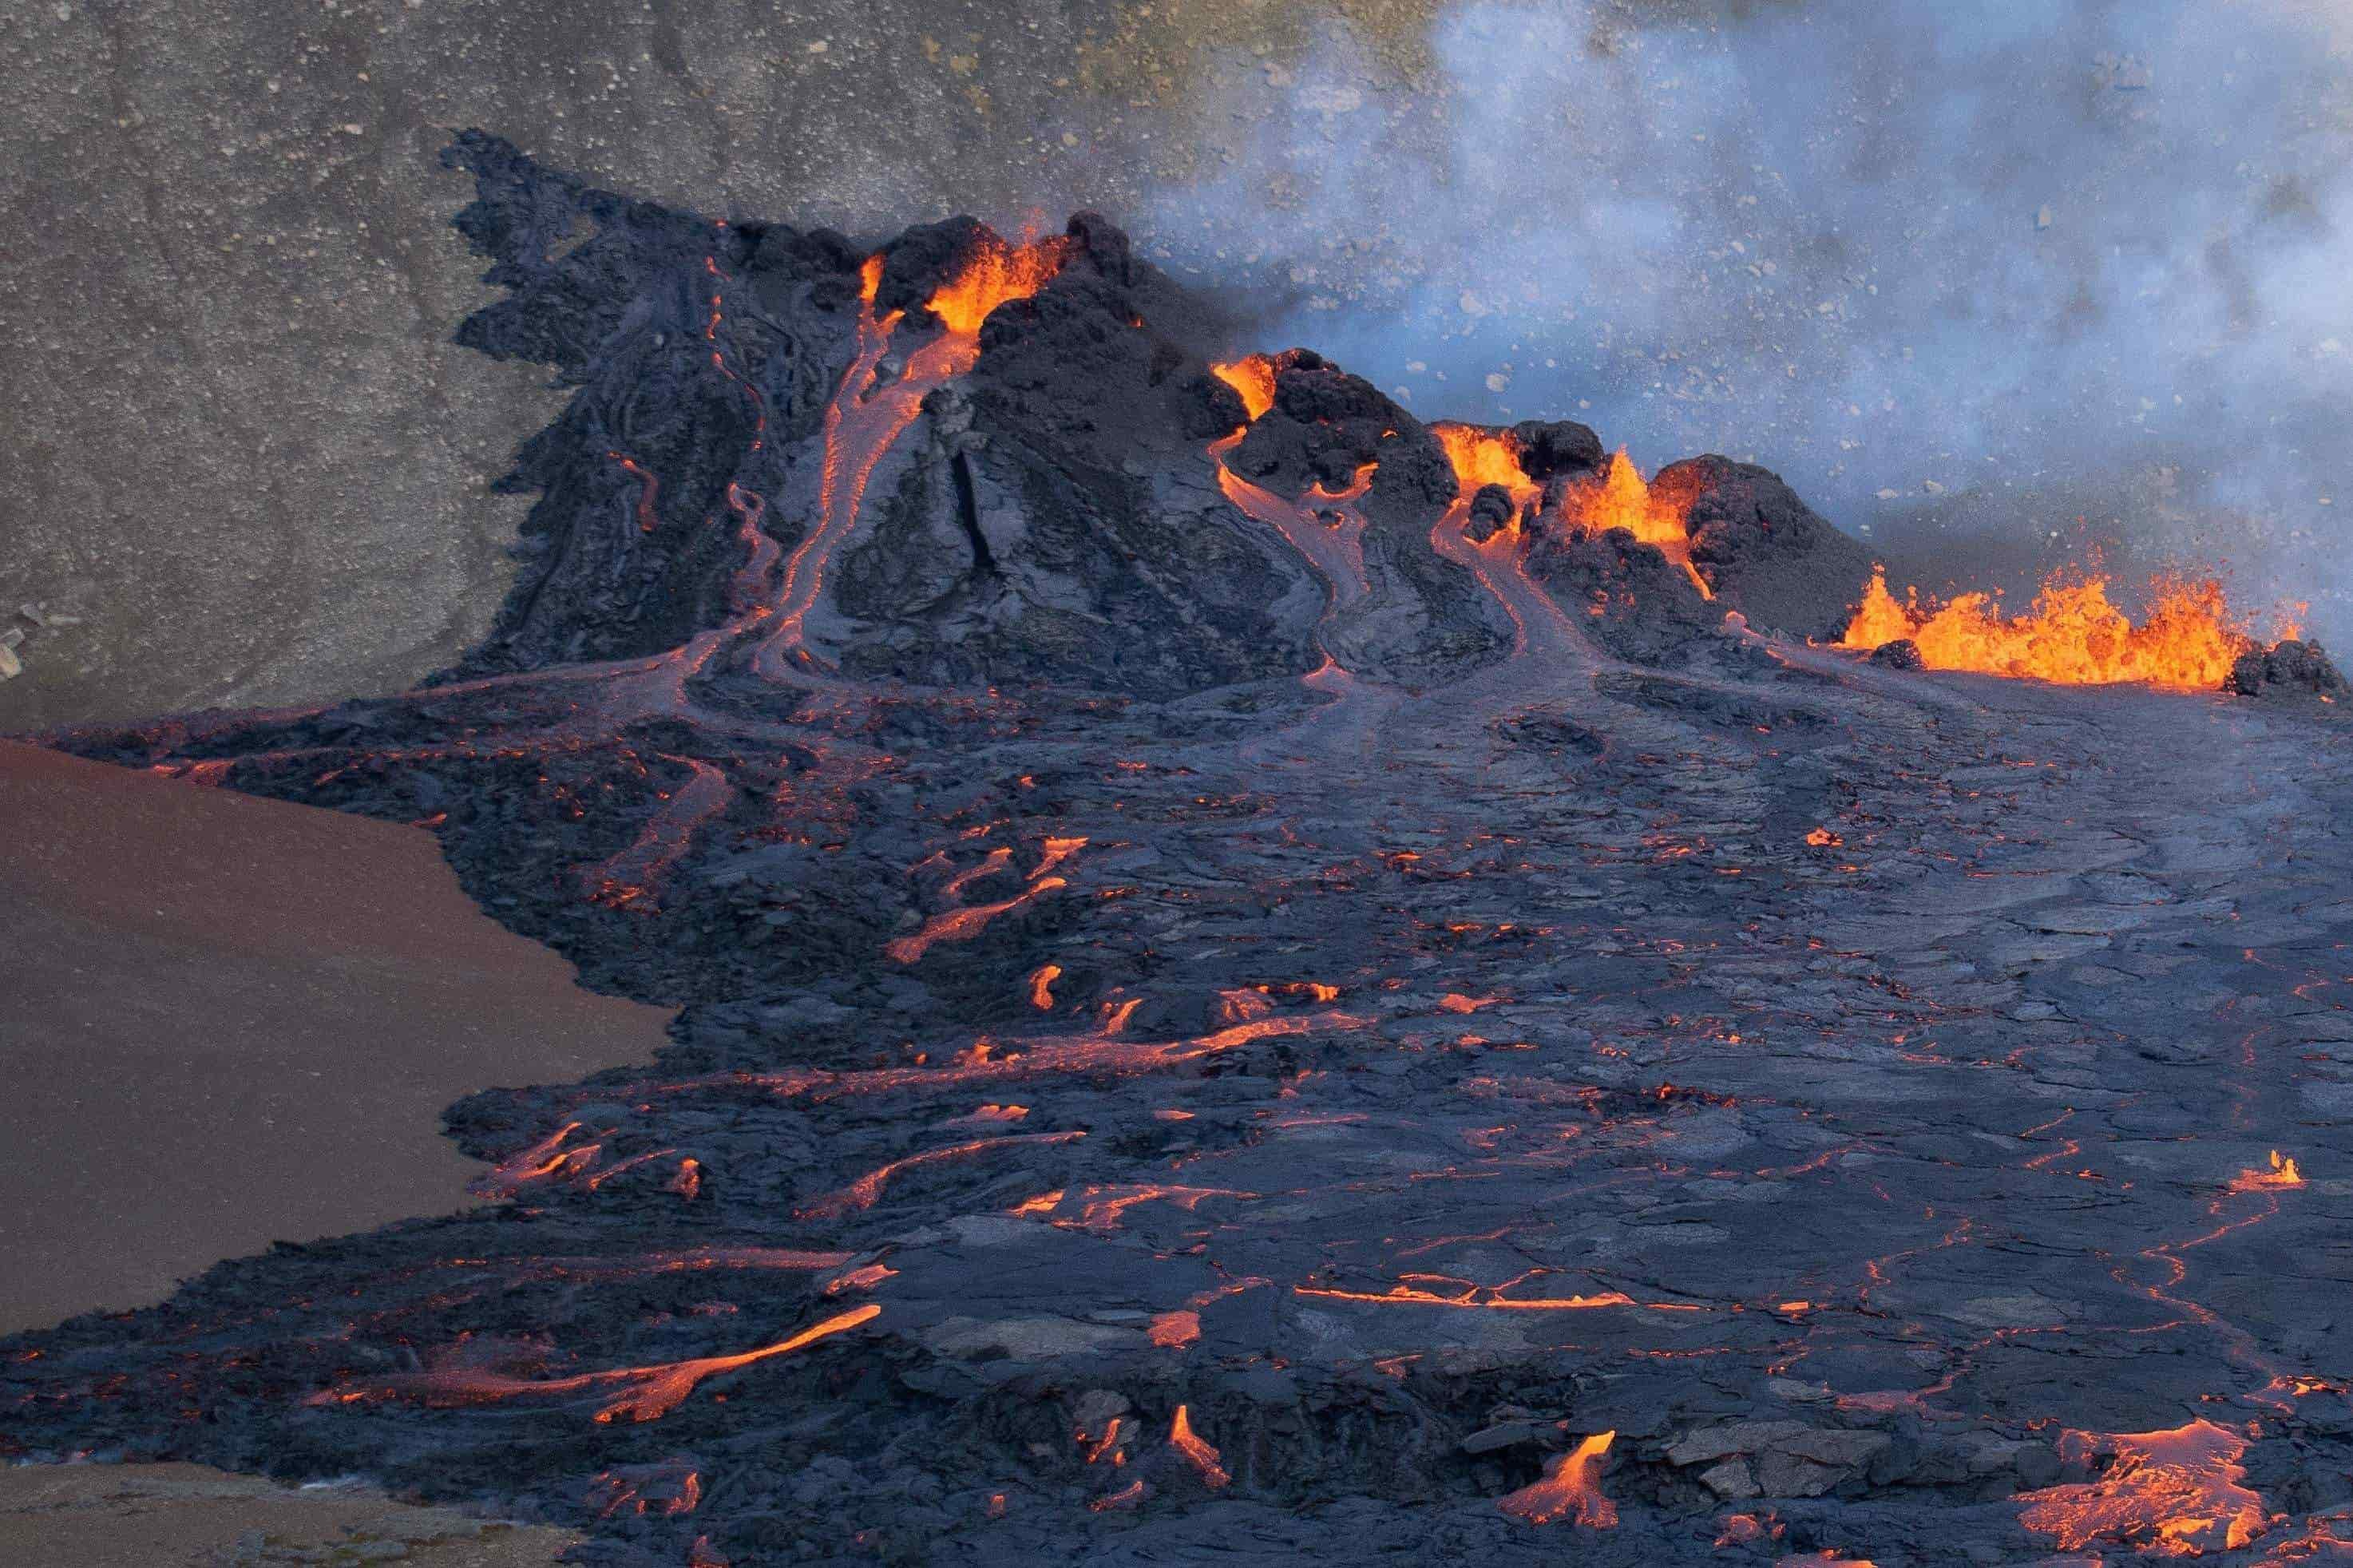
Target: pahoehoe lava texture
(1245, 1006)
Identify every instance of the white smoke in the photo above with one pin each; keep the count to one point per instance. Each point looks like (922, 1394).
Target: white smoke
(2028, 255)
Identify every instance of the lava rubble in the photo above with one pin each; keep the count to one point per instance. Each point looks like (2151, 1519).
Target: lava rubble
(1267, 982)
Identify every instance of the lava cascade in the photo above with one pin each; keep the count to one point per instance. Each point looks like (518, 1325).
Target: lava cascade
(1570, 1490)
(2072, 634)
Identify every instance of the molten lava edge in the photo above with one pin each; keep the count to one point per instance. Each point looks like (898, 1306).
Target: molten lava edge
(1250, 966)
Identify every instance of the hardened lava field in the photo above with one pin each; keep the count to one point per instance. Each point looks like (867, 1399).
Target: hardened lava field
(1266, 981)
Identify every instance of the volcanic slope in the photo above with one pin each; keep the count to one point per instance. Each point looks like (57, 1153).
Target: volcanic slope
(1227, 1023)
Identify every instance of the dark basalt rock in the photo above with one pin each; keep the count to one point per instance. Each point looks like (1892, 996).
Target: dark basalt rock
(1763, 550)
(1561, 448)
(2290, 666)
(1901, 654)
(1492, 510)
(1626, 595)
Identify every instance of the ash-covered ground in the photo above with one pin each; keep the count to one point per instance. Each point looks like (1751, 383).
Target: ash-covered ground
(1249, 999)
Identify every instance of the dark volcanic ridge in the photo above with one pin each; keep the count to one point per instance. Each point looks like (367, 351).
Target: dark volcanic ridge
(1246, 1004)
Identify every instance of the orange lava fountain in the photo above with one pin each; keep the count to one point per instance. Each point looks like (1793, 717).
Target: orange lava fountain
(1569, 1490)
(1252, 375)
(2071, 633)
(1483, 458)
(997, 273)
(2175, 1493)
(1624, 500)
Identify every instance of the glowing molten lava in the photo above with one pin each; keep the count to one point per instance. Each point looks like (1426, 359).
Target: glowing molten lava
(1569, 1490)
(2283, 1173)
(1197, 1454)
(1253, 376)
(2070, 634)
(2175, 1493)
(1483, 458)
(1622, 498)
(997, 273)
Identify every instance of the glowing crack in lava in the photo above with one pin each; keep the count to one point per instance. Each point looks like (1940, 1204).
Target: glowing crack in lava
(2175, 1493)
(2071, 635)
(1570, 1490)
(636, 1392)
(864, 418)
(1622, 498)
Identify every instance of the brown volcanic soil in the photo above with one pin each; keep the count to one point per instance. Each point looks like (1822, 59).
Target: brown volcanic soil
(314, 985)
(148, 1516)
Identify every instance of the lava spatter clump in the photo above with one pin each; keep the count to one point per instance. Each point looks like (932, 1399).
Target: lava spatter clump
(1219, 1006)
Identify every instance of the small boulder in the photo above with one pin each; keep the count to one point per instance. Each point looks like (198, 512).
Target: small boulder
(2284, 667)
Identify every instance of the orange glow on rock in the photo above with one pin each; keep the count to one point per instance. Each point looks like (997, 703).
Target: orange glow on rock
(2175, 1493)
(1252, 375)
(1570, 1490)
(997, 273)
(862, 1193)
(964, 924)
(2071, 633)
(1041, 982)
(1199, 1454)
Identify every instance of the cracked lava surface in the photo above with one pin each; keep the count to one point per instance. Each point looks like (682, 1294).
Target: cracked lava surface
(1170, 1076)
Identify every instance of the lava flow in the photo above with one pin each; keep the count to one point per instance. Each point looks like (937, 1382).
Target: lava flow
(2176, 1493)
(865, 415)
(2072, 634)
(1324, 527)
(637, 1392)
(1482, 458)
(1570, 1490)
(929, 742)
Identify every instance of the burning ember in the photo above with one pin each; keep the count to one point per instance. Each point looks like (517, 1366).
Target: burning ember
(2071, 635)
(2175, 1493)
(1570, 1490)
